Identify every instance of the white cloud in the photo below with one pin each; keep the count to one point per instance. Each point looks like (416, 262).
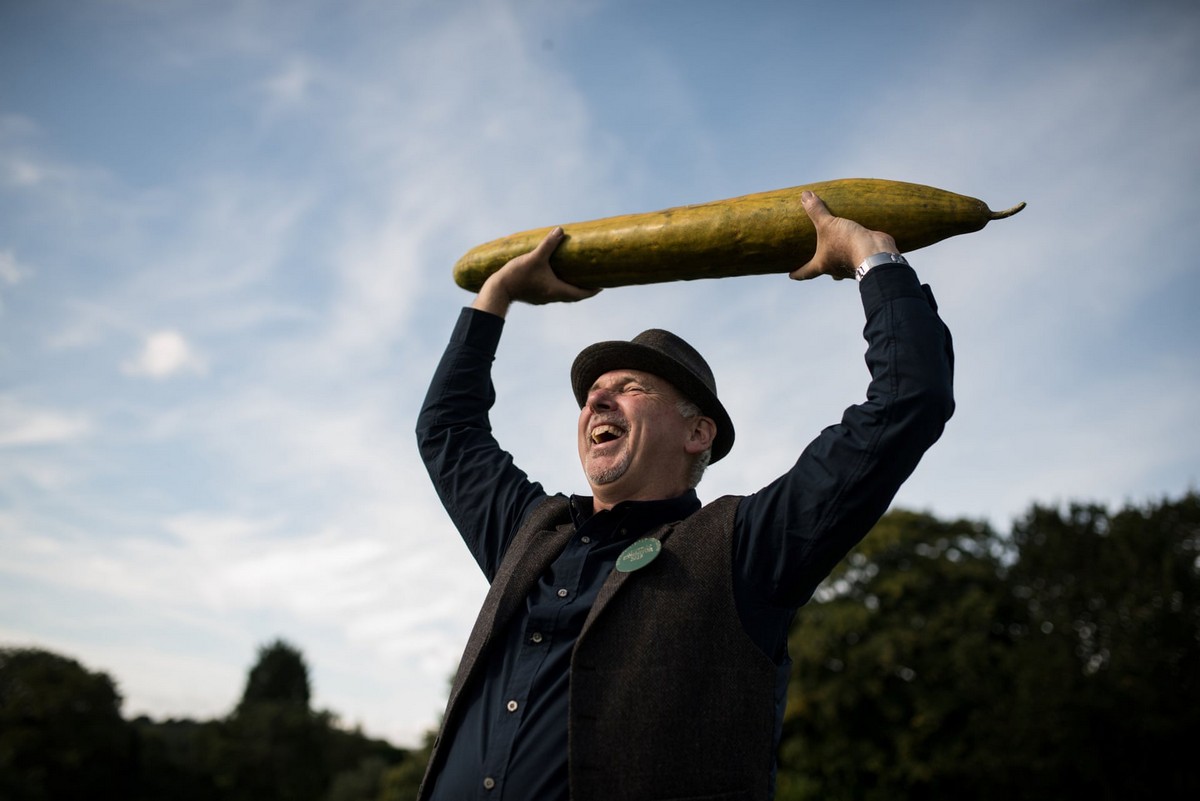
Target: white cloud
(11, 271)
(289, 87)
(21, 424)
(165, 354)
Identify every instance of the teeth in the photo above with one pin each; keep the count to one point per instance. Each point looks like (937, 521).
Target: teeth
(604, 433)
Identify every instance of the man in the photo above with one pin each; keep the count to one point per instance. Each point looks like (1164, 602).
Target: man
(633, 644)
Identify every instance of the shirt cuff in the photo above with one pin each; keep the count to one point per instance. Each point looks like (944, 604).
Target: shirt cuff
(478, 329)
(889, 282)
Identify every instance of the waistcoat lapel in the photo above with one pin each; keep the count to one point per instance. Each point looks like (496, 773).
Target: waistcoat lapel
(616, 580)
(537, 544)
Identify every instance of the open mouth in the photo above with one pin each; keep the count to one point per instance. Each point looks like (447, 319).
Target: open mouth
(605, 433)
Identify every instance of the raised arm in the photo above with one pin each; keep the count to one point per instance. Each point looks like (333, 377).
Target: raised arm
(485, 493)
(793, 531)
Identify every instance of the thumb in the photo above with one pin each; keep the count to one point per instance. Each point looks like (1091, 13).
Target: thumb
(818, 213)
(549, 243)
(814, 207)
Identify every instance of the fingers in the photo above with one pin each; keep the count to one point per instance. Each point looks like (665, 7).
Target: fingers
(815, 269)
(572, 293)
(554, 288)
(530, 278)
(809, 270)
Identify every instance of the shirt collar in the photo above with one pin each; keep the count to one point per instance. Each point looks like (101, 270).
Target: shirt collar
(639, 515)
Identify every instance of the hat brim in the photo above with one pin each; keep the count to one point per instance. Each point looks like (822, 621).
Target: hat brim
(596, 360)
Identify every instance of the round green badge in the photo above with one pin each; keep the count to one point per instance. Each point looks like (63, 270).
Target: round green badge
(638, 555)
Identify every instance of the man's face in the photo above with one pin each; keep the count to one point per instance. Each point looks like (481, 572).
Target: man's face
(633, 442)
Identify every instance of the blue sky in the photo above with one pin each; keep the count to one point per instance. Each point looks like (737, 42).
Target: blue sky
(226, 234)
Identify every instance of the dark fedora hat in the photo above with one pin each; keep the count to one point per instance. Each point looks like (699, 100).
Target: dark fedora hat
(665, 355)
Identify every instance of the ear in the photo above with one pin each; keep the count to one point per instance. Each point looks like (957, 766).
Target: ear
(704, 431)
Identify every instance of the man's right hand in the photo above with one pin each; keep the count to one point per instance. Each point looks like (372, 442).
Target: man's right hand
(528, 278)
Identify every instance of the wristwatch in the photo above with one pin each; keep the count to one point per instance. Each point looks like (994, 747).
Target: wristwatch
(874, 261)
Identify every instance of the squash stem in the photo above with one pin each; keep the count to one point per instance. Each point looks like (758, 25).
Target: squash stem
(1000, 215)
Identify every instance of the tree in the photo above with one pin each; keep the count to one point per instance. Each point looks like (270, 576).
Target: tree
(280, 676)
(942, 660)
(61, 731)
(402, 781)
(176, 759)
(1111, 602)
(894, 663)
(62, 737)
(274, 746)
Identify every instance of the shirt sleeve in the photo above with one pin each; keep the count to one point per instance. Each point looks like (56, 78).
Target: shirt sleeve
(792, 533)
(484, 492)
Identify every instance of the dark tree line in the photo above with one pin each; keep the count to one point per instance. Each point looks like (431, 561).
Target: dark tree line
(1061, 661)
(940, 660)
(62, 737)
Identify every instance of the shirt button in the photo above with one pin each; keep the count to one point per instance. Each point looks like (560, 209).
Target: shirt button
(511, 706)
(536, 636)
(489, 783)
(585, 540)
(562, 593)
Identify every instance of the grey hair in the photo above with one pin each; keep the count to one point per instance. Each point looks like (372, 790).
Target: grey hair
(688, 411)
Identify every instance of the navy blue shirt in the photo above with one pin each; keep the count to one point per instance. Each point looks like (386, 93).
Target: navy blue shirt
(510, 739)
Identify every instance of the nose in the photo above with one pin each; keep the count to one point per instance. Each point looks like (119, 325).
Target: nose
(600, 399)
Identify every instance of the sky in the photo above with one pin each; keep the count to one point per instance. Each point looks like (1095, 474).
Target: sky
(226, 239)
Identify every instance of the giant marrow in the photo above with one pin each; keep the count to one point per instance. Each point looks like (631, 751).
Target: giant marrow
(767, 232)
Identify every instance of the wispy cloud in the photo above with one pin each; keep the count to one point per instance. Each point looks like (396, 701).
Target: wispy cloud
(21, 424)
(12, 273)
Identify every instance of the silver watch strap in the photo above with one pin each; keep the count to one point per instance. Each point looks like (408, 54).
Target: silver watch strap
(874, 261)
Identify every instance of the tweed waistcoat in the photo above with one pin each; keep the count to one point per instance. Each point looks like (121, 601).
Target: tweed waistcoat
(669, 698)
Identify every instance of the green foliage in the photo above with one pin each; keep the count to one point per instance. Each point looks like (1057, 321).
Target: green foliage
(1113, 602)
(400, 783)
(892, 668)
(361, 783)
(177, 759)
(280, 676)
(943, 660)
(62, 737)
(61, 731)
(273, 745)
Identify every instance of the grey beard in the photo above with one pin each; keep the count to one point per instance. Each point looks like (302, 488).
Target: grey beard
(609, 474)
